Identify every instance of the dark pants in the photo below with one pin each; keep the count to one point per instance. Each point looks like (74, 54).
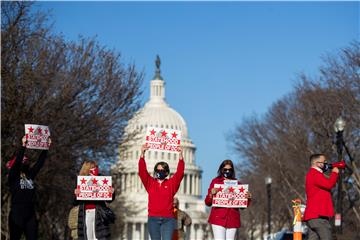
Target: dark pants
(161, 228)
(27, 227)
(319, 229)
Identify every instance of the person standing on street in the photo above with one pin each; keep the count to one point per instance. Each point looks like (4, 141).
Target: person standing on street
(319, 206)
(161, 191)
(22, 217)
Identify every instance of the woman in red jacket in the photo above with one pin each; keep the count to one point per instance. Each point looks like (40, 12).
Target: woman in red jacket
(161, 219)
(224, 221)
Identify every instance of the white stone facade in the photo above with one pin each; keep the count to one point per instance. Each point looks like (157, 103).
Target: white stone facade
(157, 113)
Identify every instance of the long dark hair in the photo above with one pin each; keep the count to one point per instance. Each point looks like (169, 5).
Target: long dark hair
(223, 164)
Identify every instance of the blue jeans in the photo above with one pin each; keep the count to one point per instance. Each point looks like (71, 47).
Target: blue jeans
(161, 228)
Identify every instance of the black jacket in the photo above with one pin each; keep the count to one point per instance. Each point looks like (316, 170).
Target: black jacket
(22, 188)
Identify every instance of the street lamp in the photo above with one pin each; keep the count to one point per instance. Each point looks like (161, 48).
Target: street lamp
(339, 127)
(268, 182)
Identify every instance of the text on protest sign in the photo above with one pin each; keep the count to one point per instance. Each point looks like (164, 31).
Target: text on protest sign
(163, 139)
(230, 195)
(94, 188)
(37, 136)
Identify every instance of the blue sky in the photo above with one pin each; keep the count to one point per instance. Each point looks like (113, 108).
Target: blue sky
(222, 61)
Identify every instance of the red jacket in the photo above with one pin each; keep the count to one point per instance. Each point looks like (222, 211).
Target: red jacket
(161, 195)
(226, 217)
(318, 194)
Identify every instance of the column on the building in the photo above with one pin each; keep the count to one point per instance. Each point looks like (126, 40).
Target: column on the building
(127, 179)
(132, 182)
(138, 183)
(122, 182)
(200, 187)
(188, 184)
(142, 230)
(192, 231)
(200, 231)
(191, 184)
(133, 230)
(196, 185)
(125, 231)
(181, 189)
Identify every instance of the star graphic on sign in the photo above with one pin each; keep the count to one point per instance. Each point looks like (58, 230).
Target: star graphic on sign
(242, 189)
(152, 132)
(220, 189)
(31, 129)
(94, 181)
(163, 133)
(105, 181)
(46, 131)
(174, 135)
(39, 131)
(231, 189)
(83, 181)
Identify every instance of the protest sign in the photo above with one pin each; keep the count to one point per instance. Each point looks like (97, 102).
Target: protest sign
(37, 136)
(162, 139)
(230, 195)
(94, 188)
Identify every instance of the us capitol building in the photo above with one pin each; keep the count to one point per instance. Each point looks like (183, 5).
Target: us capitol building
(131, 194)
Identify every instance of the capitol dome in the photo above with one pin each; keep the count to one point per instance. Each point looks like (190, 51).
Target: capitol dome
(159, 114)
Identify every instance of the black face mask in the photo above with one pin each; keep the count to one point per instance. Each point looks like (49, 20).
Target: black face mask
(326, 167)
(227, 173)
(161, 174)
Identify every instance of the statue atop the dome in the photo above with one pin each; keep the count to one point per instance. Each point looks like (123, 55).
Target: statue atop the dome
(157, 72)
(157, 62)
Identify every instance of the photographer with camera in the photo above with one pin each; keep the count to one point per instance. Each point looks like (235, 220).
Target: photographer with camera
(319, 206)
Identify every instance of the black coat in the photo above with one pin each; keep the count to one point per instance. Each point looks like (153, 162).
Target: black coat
(102, 231)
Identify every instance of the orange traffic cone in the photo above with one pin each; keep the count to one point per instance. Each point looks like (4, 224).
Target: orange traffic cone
(297, 231)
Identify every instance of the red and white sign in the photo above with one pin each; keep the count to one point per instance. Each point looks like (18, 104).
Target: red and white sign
(230, 196)
(37, 136)
(163, 139)
(94, 188)
(337, 219)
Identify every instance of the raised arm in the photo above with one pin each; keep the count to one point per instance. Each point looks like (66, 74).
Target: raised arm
(40, 162)
(143, 173)
(179, 174)
(327, 183)
(15, 168)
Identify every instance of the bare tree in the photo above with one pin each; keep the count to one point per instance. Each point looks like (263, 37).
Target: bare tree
(81, 90)
(279, 143)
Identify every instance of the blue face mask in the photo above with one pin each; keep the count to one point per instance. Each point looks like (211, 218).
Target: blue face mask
(160, 174)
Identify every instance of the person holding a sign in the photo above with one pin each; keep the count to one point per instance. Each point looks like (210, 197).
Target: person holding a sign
(161, 192)
(319, 206)
(90, 222)
(22, 218)
(224, 220)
